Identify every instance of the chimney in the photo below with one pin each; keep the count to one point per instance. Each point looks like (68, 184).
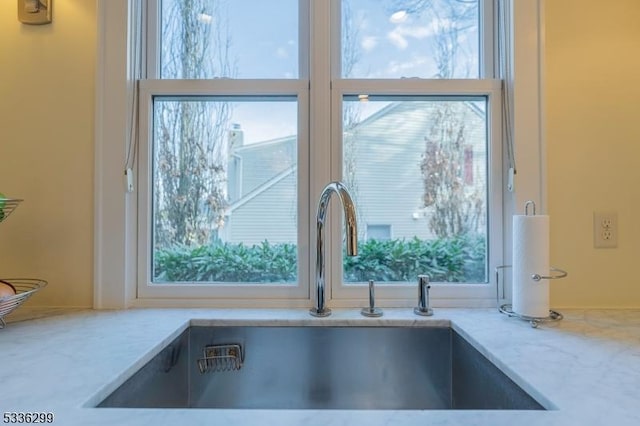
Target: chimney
(236, 137)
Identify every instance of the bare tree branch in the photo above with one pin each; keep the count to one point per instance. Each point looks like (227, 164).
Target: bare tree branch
(191, 151)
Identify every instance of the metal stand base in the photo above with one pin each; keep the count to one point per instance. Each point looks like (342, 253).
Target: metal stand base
(534, 321)
(369, 312)
(507, 308)
(320, 313)
(425, 313)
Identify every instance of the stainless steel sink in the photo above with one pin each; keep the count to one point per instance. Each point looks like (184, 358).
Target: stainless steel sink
(399, 368)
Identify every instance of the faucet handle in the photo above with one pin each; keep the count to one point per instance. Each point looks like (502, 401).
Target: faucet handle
(423, 297)
(371, 311)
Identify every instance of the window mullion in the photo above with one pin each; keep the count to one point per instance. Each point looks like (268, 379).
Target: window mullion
(320, 117)
(320, 99)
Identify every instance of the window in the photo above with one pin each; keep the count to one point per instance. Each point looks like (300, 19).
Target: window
(416, 89)
(378, 232)
(402, 149)
(205, 205)
(406, 160)
(243, 120)
(223, 150)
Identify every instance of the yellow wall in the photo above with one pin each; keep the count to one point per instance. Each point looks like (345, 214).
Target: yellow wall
(46, 149)
(593, 148)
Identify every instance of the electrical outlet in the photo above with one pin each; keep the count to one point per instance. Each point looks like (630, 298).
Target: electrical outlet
(605, 230)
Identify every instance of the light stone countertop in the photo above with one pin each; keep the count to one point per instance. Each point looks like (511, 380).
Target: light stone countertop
(586, 368)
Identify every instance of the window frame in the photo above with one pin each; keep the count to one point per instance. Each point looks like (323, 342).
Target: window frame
(454, 294)
(115, 259)
(152, 88)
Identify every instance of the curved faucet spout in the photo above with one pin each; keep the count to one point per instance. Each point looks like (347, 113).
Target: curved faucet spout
(351, 230)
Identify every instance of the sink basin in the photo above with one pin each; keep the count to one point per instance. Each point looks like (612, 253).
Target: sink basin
(395, 368)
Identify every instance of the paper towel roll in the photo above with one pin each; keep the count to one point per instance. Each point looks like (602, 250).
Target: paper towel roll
(530, 256)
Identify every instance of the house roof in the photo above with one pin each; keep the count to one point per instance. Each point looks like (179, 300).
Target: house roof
(263, 165)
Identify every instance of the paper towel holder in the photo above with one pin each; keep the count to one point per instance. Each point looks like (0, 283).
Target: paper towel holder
(552, 274)
(507, 308)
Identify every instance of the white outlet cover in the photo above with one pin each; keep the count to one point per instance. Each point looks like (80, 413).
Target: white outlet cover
(605, 229)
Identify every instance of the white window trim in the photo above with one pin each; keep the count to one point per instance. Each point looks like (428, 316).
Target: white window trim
(115, 257)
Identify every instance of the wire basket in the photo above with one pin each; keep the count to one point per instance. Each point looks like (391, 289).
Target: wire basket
(218, 358)
(7, 206)
(25, 288)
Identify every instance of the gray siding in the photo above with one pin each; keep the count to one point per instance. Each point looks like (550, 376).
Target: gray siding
(271, 215)
(388, 181)
(388, 178)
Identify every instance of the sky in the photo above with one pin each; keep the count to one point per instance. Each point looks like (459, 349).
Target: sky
(264, 44)
(391, 43)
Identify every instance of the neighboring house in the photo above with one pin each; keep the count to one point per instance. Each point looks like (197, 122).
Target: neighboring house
(262, 188)
(387, 184)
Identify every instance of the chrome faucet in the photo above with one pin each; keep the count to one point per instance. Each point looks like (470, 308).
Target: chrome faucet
(351, 229)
